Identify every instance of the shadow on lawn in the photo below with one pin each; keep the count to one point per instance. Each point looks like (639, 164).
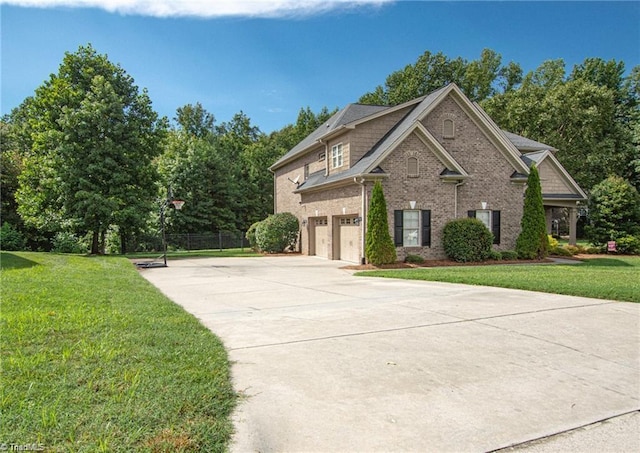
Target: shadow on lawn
(606, 262)
(11, 261)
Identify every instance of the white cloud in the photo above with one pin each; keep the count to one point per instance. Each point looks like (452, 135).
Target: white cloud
(206, 8)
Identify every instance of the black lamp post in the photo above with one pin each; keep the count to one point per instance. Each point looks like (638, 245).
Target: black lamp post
(177, 204)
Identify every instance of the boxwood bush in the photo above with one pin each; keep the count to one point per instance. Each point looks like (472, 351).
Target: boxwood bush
(277, 232)
(467, 239)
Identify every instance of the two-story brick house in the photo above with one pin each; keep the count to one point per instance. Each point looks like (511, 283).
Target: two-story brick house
(438, 157)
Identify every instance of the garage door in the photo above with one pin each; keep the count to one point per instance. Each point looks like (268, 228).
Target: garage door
(349, 240)
(321, 238)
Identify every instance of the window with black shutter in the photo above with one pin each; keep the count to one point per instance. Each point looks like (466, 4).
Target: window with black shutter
(412, 228)
(491, 219)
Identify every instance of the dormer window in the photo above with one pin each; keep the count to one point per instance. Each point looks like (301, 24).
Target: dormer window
(448, 128)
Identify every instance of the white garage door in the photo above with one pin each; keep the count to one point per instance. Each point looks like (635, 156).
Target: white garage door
(321, 238)
(349, 240)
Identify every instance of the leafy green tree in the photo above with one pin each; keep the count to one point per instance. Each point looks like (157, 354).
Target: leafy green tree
(195, 120)
(614, 211)
(590, 117)
(379, 247)
(532, 242)
(476, 78)
(198, 174)
(94, 136)
(11, 157)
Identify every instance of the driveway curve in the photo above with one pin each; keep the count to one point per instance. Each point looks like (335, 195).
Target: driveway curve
(332, 362)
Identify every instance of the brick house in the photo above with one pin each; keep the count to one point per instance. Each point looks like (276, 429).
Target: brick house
(438, 157)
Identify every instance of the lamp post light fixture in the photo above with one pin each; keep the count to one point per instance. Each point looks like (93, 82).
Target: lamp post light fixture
(177, 204)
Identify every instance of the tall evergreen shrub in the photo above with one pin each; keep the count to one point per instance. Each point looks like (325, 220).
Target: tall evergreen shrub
(379, 247)
(533, 243)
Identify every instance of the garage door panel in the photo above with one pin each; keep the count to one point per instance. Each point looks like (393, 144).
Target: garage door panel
(349, 240)
(321, 238)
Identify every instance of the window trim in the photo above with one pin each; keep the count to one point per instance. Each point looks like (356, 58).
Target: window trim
(424, 228)
(337, 156)
(405, 228)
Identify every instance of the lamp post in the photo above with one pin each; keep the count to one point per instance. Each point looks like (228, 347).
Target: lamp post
(177, 204)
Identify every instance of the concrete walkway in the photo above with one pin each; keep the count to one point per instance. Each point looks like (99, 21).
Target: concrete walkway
(331, 362)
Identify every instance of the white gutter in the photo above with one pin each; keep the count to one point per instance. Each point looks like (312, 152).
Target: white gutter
(455, 199)
(363, 215)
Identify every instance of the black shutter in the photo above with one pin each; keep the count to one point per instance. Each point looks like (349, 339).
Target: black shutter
(426, 228)
(495, 226)
(397, 227)
(471, 214)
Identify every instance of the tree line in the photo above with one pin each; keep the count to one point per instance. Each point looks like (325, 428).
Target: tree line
(87, 155)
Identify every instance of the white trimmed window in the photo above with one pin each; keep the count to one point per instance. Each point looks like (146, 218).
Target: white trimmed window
(336, 155)
(485, 217)
(411, 228)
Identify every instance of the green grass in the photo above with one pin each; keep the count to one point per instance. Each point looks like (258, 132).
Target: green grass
(225, 253)
(94, 358)
(615, 278)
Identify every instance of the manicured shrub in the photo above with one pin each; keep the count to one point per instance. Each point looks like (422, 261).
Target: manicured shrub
(594, 250)
(251, 236)
(379, 247)
(414, 259)
(561, 251)
(553, 242)
(277, 233)
(509, 255)
(467, 239)
(628, 245)
(10, 238)
(573, 249)
(495, 255)
(532, 241)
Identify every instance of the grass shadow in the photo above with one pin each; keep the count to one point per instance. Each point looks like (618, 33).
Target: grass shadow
(11, 261)
(606, 262)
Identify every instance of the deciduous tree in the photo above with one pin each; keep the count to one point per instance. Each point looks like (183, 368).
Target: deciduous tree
(93, 138)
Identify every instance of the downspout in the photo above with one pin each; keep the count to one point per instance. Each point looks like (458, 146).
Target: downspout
(455, 199)
(363, 209)
(326, 156)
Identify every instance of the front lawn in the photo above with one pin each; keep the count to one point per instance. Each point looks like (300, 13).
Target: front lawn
(614, 278)
(94, 358)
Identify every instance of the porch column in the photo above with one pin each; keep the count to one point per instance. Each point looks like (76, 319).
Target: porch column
(548, 214)
(573, 225)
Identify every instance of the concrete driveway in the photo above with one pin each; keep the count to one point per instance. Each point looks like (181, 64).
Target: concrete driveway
(332, 362)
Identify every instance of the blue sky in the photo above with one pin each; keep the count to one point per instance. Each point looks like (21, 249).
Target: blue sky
(271, 61)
